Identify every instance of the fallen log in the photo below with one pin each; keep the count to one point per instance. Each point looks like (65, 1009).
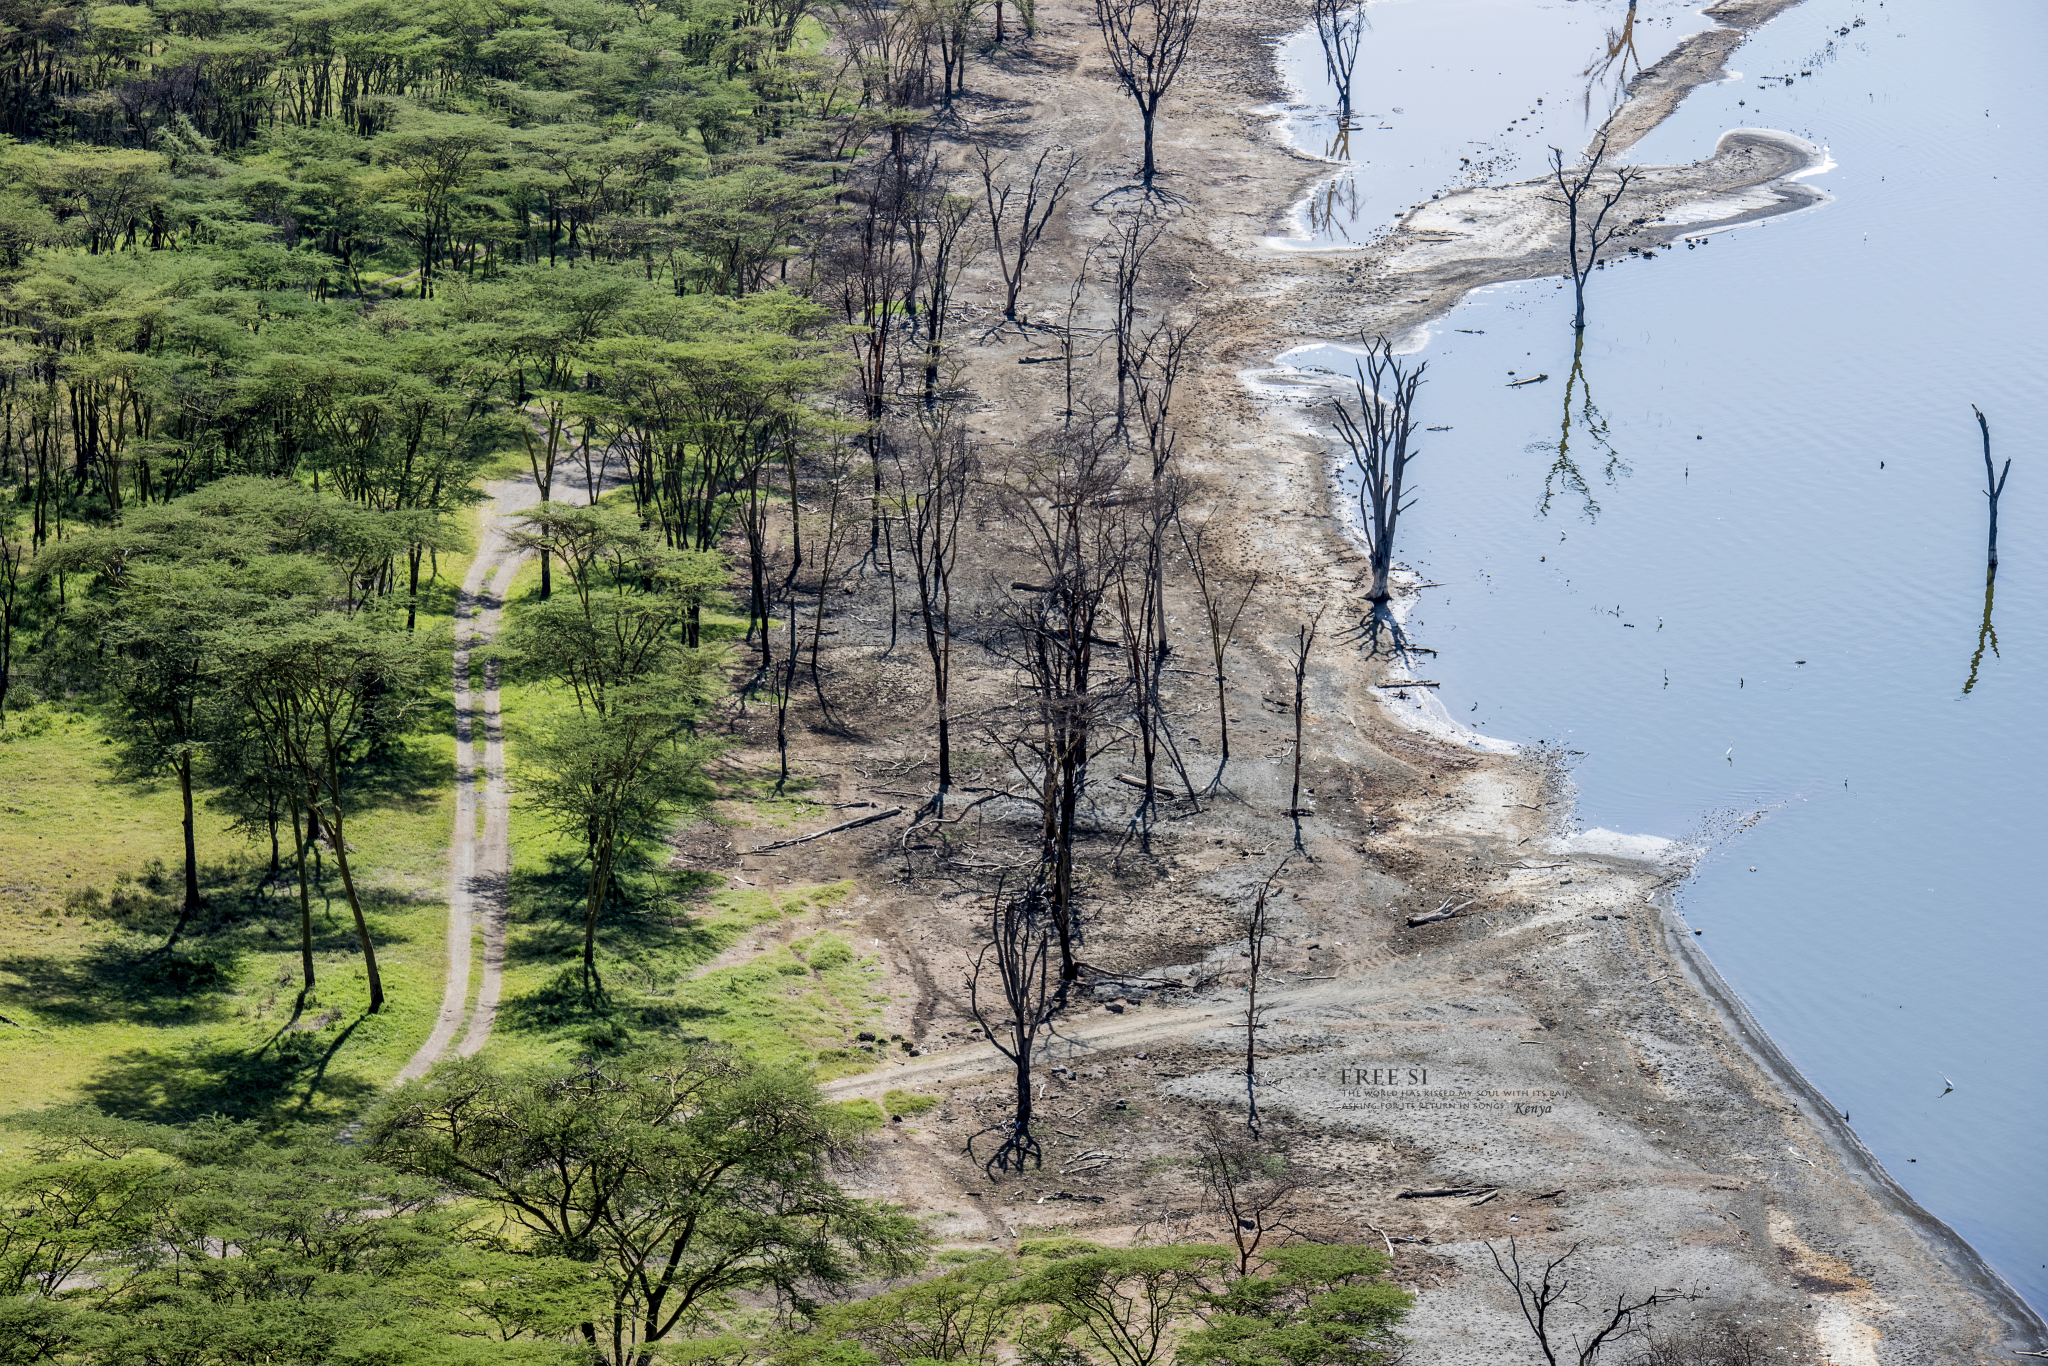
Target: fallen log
(854, 824)
(1438, 1192)
(1518, 383)
(1443, 912)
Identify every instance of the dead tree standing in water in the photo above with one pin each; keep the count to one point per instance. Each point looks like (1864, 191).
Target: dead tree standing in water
(1147, 41)
(1018, 958)
(1378, 438)
(1590, 219)
(1994, 488)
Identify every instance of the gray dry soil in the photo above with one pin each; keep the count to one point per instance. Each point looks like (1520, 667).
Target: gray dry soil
(1582, 1060)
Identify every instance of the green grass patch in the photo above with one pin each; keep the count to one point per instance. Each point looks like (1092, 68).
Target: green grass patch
(796, 1004)
(908, 1104)
(90, 873)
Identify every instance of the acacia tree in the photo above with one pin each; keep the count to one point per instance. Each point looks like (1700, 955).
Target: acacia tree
(1124, 1304)
(626, 758)
(1147, 42)
(1315, 1302)
(1378, 438)
(682, 1176)
(328, 687)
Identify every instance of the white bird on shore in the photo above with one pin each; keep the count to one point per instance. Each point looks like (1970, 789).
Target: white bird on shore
(1949, 1085)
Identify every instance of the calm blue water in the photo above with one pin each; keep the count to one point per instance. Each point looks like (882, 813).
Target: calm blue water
(1796, 477)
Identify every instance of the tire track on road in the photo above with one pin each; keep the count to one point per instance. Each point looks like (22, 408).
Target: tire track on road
(479, 863)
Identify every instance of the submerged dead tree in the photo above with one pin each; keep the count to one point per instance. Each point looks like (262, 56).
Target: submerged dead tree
(1994, 489)
(1590, 196)
(1379, 440)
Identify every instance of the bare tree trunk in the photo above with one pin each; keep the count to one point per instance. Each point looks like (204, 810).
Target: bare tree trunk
(1378, 438)
(1019, 956)
(1305, 643)
(1255, 950)
(1588, 208)
(300, 839)
(1018, 216)
(1994, 489)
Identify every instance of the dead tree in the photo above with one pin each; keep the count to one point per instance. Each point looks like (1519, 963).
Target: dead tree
(1147, 41)
(1017, 961)
(1133, 237)
(1539, 1294)
(1139, 600)
(1994, 489)
(1067, 501)
(933, 489)
(1987, 634)
(1255, 931)
(1305, 641)
(1591, 224)
(1340, 26)
(943, 241)
(1222, 615)
(1252, 1187)
(1378, 437)
(873, 278)
(1019, 212)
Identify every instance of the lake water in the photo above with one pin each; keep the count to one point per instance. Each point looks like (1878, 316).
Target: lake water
(1769, 594)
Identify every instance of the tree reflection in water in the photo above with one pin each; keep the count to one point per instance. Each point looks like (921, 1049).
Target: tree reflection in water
(1584, 423)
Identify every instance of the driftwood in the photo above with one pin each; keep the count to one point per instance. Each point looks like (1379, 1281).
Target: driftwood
(1443, 912)
(1409, 683)
(853, 824)
(1490, 1195)
(1438, 1192)
(1518, 383)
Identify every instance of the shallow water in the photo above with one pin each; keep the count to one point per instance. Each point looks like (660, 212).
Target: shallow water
(1768, 595)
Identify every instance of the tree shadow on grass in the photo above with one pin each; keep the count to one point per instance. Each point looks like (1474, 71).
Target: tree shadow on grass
(648, 940)
(137, 976)
(289, 1077)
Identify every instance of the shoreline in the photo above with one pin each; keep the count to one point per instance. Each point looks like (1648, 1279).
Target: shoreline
(1955, 1251)
(1703, 208)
